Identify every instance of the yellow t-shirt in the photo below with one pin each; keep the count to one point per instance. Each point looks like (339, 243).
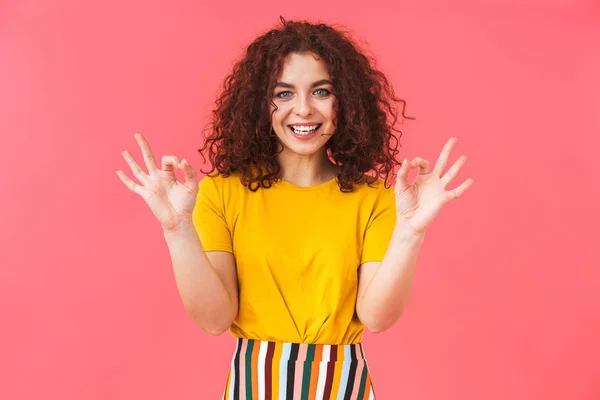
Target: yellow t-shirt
(297, 251)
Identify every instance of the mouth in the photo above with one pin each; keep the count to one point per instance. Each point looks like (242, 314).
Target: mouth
(304, 132)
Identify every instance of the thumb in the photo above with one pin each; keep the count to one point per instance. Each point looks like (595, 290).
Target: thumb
(191, 180)
(402, 176)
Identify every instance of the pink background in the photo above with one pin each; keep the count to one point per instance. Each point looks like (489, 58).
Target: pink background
(506, 303)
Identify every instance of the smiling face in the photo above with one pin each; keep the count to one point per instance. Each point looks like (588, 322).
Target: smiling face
(305, 117)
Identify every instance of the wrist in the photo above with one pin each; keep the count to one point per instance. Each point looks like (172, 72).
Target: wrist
(182, 228)
(405, 230)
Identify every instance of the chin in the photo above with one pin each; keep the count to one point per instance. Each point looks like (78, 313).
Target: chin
(303, 150)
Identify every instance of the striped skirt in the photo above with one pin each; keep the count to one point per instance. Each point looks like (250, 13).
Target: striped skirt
(289, 371)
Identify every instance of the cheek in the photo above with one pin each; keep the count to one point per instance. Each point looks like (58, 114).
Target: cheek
(328, 111)
(328, 108)
(279, 114)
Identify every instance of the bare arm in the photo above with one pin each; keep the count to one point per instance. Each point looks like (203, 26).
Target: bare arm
(207, 282)
(384, 287)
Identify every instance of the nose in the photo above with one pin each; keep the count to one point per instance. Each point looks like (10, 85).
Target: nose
(303, 107)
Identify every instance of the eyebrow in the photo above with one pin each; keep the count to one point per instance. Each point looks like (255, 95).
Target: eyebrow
(315, 84)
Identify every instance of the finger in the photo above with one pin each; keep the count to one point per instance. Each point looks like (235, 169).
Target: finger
(402, 176)
(134, 187)
(422, 164)
(134, 166)
(147, 152)
(168, 163)
(456, 193)
(190, 174)
(442, 160)
(447, 178)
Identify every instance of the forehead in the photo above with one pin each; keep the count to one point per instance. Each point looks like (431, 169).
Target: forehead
(303, 68)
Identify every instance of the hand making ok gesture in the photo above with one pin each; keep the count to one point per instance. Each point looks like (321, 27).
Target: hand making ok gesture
(417, 204)
(171, 201)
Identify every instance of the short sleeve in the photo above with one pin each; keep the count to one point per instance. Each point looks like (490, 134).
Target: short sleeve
(380, 227)
(209, 217)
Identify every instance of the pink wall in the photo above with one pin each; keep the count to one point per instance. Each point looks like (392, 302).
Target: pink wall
(506, 303)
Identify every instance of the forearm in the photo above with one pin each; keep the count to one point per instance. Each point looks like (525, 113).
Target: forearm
(203, 293)
(386, 296)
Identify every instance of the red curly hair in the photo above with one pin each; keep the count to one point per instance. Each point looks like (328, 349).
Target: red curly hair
(240, 135)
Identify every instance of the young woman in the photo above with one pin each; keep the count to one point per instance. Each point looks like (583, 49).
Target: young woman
(297, 242)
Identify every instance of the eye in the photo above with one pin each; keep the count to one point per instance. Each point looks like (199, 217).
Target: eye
(281, 95)
(324, 92)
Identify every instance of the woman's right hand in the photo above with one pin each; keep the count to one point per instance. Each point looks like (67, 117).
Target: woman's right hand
(171, 201)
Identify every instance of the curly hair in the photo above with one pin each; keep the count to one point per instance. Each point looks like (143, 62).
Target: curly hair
(240, 136)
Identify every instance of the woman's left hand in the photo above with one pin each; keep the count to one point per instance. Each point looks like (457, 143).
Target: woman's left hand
(417, 204)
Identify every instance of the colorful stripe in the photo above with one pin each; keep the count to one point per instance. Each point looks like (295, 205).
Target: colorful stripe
(291, 371)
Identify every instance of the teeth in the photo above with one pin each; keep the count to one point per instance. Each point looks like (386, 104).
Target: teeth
(304, 130)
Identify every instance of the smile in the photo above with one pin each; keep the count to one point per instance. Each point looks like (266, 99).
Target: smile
(304, 130)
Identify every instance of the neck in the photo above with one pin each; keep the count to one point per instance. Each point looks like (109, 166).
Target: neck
(306, 170)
